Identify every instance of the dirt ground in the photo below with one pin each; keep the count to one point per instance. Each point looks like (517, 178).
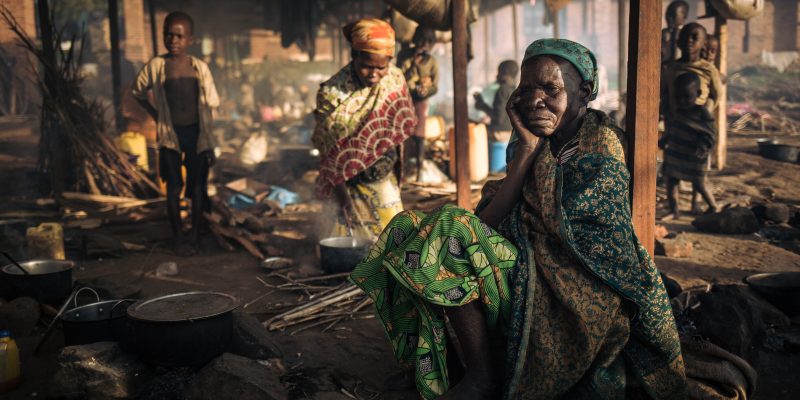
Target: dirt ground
(357, 351)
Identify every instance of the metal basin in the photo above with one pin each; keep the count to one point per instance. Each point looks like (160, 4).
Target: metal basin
(49, 281)
(781, 289)
(776, 150)
(98, 322)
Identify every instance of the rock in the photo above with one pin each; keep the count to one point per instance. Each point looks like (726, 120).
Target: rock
(735, 318)
(250, 339)
(672, 286)
(234, 377)
(736, 220)
(97, 371)
(679, 247)
(20, 316)
(773, 212)
(661, 232)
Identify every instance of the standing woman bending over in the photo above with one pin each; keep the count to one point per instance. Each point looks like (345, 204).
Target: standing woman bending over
(364, 113)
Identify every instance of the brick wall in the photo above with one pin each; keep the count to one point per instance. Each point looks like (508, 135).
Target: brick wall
(136, 34)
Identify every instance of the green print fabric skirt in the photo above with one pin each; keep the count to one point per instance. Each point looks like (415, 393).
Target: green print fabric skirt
(421, 262)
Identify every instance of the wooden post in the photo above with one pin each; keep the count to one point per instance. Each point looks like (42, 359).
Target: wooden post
(151, 11)
(556, 25)
(463, 192)
(622, 16)
(721, 117)
(515, 28)
(487, 67)
(641, 119)
(116, 79)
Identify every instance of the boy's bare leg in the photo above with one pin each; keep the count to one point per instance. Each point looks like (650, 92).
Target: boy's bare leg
(469, 324)
(701, 186)
(171, 172)
(673, 187)
(200, 201)
(695, 201)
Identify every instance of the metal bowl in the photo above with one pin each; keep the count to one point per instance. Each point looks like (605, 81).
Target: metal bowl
(342, 253)
(781, 289)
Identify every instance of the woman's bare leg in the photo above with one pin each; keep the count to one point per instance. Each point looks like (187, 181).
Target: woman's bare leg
(701, 186)
(469, 324)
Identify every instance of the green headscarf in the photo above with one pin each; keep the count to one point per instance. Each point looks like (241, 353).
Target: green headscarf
(577, 55)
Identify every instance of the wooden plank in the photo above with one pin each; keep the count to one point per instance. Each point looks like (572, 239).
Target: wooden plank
(720, 116)
(460, 103)
(644, 44)
(151, 14)
(515, 27)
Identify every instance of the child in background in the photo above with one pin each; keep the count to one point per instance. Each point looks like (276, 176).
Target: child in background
(692, 42)
(184, 94)
(500, 127)
(422, 76)
(690, 136)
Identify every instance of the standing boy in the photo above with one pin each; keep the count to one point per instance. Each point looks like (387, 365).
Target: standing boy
(688, 142)
(500, 127)
(184, 94)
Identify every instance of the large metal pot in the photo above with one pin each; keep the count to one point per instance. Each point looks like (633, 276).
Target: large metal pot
(100, 321)
(342, 253)
(781, 289)
(48, 281)
(183, 329)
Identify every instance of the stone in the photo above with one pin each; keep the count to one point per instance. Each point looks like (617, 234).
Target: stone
(98, 371)
(735, 220)
(234, 377)
(250, 339)
(772, 212)
(735, 318)
(679, 247)
(20, 316)
(661, 232)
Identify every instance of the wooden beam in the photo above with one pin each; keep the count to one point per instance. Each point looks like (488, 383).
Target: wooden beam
(720, 116)
(116, 79)
(622, 16)
(515, 28)
(463, 191)
(151, 13)
(641, 119)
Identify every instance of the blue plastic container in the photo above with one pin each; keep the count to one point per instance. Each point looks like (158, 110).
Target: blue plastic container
(497, 156)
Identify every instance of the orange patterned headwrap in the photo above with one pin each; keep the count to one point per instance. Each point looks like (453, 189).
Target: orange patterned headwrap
(371, 35)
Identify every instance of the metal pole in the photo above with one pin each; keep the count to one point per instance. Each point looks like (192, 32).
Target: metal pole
(463, 191)
(641, 118)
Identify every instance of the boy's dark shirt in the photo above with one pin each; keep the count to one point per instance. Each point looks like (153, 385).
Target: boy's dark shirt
(500, 120)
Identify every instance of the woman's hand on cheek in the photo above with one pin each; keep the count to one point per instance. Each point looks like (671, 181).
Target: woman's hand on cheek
(526, 137)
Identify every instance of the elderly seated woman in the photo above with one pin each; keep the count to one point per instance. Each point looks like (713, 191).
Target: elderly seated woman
(546, 287)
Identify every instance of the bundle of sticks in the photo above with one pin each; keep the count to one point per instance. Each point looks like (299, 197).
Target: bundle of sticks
(75, 149)
(325, 305)
(248, 228)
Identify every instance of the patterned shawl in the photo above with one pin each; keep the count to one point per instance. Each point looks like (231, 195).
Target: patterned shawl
(589, 213)
(356, 125)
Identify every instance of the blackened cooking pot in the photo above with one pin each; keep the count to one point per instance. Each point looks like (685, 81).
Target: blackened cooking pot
(183, 329)
(48, 281)
(781, 289)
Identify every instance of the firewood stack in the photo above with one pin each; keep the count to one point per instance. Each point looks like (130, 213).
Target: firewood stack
(76, 149)
(248, 227)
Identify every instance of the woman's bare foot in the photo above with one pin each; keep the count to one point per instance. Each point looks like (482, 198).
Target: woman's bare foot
(472, 388)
